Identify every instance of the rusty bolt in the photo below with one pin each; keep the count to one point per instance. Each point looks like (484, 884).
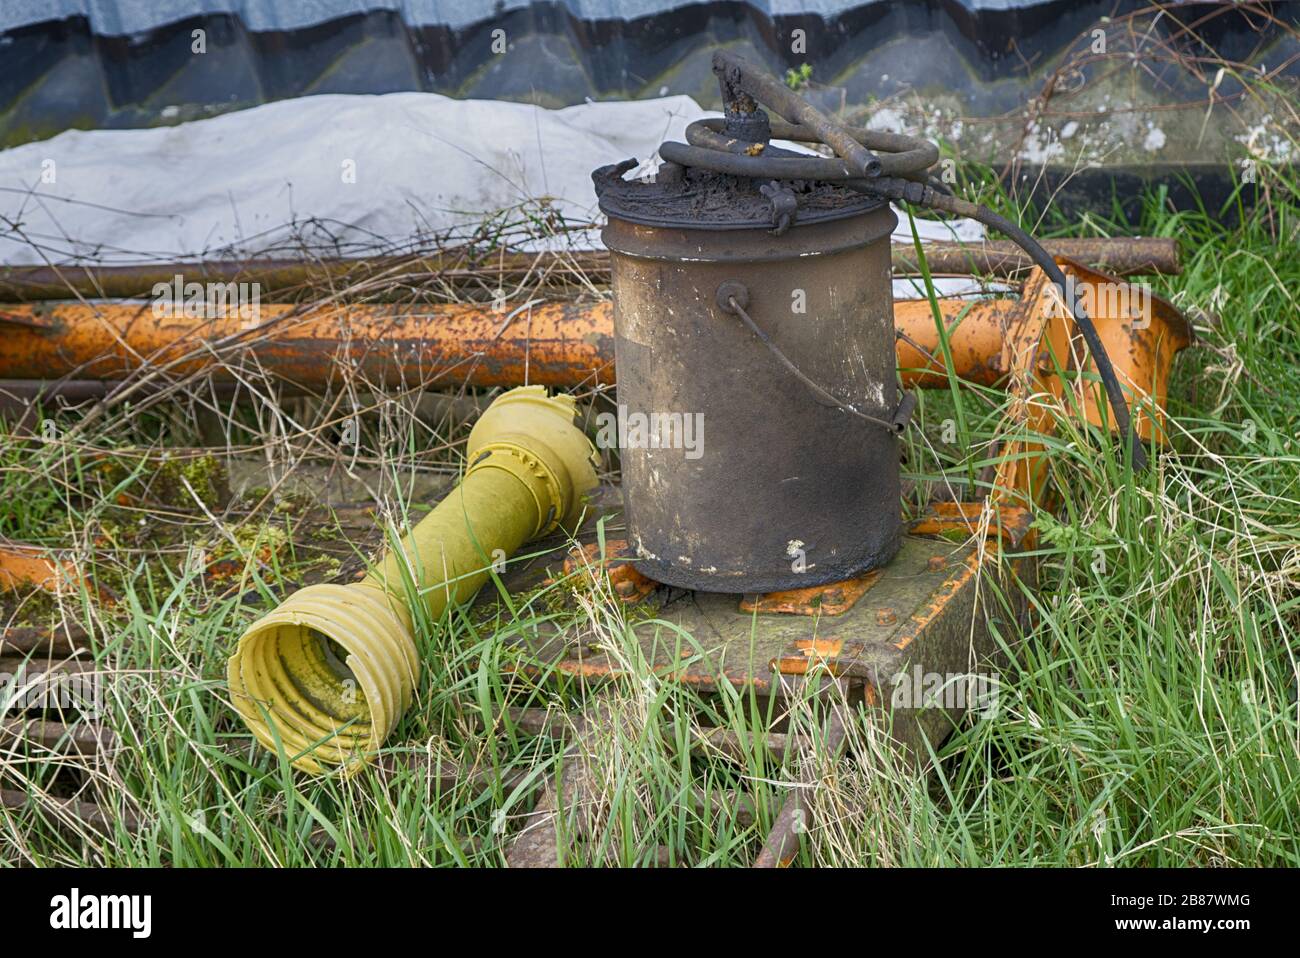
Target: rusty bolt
(625, 588)
(886, 616)
(937, 563)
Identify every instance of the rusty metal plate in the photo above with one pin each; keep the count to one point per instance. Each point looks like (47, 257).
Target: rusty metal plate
(929, 609)
(835, 598)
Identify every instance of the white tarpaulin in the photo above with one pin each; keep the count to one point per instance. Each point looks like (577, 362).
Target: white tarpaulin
(332, 174)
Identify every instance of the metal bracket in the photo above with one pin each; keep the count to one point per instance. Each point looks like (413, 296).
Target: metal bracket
(785, 206)
(904, 411)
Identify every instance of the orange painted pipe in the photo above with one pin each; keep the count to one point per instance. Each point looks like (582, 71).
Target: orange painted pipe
(563, 345)
(24, 565)
(555, 344)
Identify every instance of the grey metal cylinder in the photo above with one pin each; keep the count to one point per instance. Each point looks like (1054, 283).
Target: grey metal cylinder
(737, 477)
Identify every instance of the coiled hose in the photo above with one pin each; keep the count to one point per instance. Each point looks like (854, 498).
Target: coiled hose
(891, 166)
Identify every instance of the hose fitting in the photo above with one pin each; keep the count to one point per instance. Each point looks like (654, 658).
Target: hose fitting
(332, 669)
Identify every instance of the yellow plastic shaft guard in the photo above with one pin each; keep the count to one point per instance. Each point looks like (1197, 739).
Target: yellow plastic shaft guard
(332, 669)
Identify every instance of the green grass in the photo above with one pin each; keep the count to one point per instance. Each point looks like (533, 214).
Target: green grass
(1148, 718)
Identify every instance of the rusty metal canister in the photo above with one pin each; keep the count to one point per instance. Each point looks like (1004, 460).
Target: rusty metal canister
(737, 476)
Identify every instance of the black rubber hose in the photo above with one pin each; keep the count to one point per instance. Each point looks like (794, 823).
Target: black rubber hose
(736, 75)
(918, 192)
(1105, 368)
(899, 155)
(929, 198)
(759, 167)
(902, 174)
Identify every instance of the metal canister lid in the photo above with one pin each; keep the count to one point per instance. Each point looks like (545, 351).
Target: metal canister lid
(686, 198)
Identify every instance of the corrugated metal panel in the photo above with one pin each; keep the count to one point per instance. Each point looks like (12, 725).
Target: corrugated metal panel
(1004, 82)
(124, 17)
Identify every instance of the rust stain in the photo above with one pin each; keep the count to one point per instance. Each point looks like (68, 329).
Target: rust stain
(808, 654)
(1011, 524)
(834, 598)
(629, 583)
(29, 318)
(819, 646)
(921, 619)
